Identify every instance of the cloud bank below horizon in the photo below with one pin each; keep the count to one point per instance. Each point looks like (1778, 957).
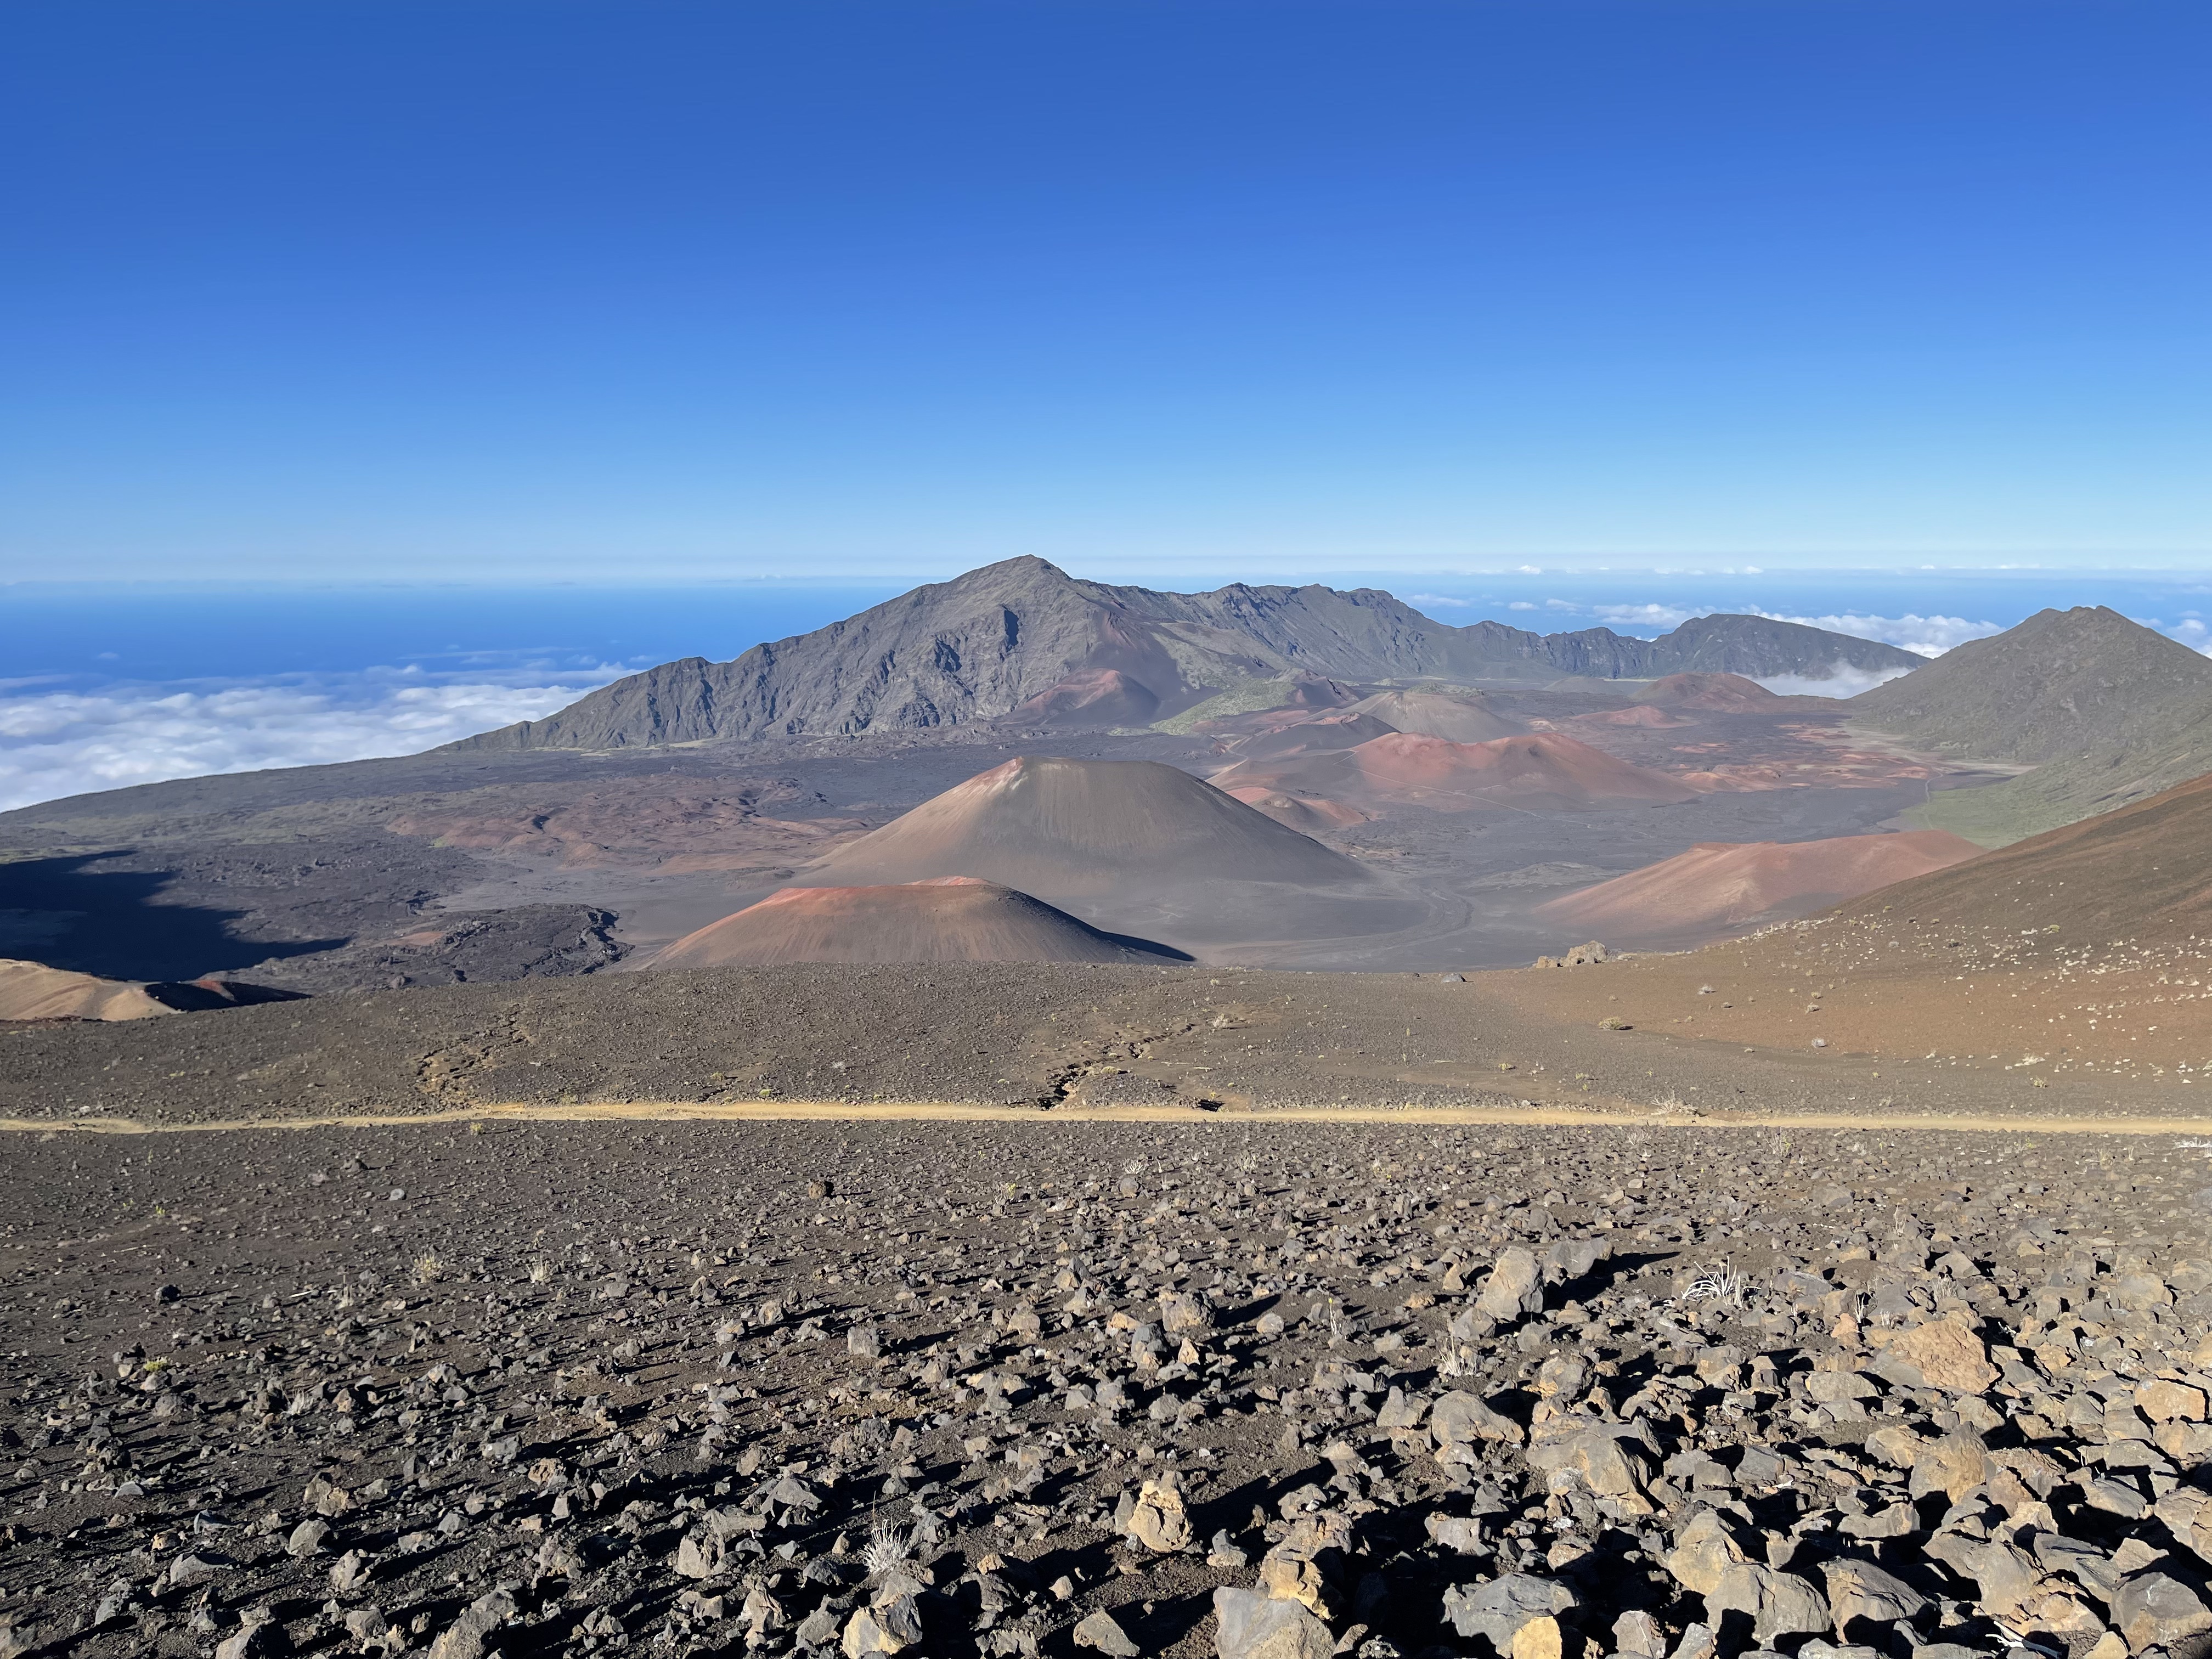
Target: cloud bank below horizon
(55, 743)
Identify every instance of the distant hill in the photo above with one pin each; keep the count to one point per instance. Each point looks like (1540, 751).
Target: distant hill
(1077, 828)
(1024, 636)
(1538, 772)
(1720, 694)
(2080, 949)
(1717, 886)
(31, 990)
(2061, 683)
(2107, 710)
(950, 919)
(1467, 719)
(1338, 731)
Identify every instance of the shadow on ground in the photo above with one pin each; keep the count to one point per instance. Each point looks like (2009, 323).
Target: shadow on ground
(67, 913)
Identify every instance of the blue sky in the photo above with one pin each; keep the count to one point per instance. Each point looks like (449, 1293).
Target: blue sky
(1178, 293)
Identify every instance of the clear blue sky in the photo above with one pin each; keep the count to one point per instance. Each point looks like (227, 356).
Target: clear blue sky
(664, 291)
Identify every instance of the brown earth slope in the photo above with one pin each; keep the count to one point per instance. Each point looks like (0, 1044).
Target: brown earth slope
(1719, 885)
(1343, 730)
(2085, 949)
(1543, 771)
(1053, 1034)
(31, 990)
(1466, 718)
(1728, 694)
(951, 919)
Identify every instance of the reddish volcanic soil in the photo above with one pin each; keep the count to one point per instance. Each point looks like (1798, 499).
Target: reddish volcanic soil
(1433, 714)
(1314, 737)
(2084, 950)
(1719, 885)
(1644, 715)
(1539, 772)
(1720, 694)
(1309, 815)
(953, 919)
(1092, 696)
(2141, 873)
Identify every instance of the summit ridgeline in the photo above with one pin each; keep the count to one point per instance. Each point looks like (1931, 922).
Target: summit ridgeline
(1024, 641)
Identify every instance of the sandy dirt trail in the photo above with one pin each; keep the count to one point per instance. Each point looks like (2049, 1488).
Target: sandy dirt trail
(1595, 1115)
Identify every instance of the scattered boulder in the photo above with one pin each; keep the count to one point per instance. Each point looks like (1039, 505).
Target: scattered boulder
(1860, 1593)
(1252, 1625)
(1459, 1423)
(2155, 1609)
(1516, 1286)
(1941, 1354)
(1500, 1609)
(1704, 1553)
(1099, 1631)
(1776, 1603)
(1158, 1522)
(466, 1638)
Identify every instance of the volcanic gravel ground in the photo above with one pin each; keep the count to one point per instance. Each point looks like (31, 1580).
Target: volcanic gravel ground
(2047, 1005)
(1005, 1034)
(1245, 1388)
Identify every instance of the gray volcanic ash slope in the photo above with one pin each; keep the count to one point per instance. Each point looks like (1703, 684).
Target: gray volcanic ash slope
(2061, 683)
(1136, 847)
(1071, 827)
(2108, 711)
(1025, 635)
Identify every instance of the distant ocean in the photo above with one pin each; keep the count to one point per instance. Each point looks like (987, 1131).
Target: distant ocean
(102, 687)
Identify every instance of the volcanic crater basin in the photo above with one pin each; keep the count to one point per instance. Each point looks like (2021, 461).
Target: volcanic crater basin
(1061, 1388)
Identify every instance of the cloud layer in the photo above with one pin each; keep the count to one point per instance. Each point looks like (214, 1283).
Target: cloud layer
(1841, 681)
(61, 743)
(1928, 636)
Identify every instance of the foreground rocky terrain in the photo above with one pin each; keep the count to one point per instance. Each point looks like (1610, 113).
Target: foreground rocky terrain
(1227, 1387)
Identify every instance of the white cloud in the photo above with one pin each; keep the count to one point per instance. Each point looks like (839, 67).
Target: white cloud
(1928, 636)
(1520, 605)
(66, 743)
(1529, 569)
(2190, 630)
(1430, 600)
(1644, 616)
(1840, 681)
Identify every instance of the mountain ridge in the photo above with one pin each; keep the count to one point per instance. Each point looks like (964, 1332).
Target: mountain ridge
(2061, 683)
(1015, 634)
(2108, 711)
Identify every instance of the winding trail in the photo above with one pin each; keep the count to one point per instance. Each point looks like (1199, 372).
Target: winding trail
(1621, 1115)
